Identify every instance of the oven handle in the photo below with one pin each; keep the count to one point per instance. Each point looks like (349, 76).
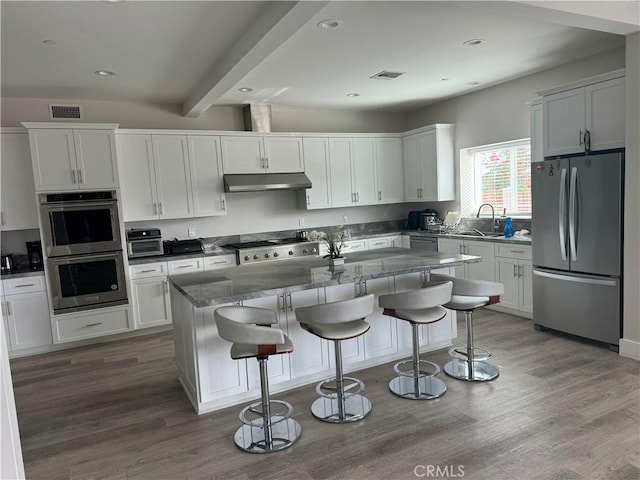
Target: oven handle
(83, 258)
(79, 205)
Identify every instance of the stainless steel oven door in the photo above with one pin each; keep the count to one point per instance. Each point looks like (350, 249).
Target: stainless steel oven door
(70, 229)
(87, 281)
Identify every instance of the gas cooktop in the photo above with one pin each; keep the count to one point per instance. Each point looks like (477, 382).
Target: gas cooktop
(270, 250)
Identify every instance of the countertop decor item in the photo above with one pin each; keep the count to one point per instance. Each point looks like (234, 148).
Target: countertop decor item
(336, 242)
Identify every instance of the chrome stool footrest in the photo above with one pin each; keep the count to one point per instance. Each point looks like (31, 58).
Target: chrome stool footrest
(328, 409)
(476, 371)
(421, 373)
(254, 408)
(325, 389)
(479, 354)
(417, 388)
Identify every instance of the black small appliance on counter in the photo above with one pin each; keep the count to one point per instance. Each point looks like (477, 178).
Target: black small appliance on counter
(34, 254)
(178, 247)
(421, 219)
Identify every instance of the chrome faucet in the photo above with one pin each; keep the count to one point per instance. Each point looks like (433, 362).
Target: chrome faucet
(493, 216)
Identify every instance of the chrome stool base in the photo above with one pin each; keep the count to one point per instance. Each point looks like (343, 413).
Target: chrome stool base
(471, 371)
(417, 388)
(327, 408)
(251, 438)
(479, 354)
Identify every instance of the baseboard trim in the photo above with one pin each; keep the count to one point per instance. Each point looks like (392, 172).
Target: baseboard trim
(629, 349)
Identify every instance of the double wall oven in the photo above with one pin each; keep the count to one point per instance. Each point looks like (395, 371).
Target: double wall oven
(81, 239)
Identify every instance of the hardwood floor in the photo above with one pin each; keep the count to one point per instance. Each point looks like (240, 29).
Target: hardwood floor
(561, 409)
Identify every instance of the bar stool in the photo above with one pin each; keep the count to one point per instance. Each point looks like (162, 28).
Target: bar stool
(248, 329)
(422, 306)
(470, 363)
(338, 321)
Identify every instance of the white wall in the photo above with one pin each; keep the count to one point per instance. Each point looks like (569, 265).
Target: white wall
(630, 344)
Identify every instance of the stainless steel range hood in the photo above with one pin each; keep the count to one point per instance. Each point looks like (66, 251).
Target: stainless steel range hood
(262, 182)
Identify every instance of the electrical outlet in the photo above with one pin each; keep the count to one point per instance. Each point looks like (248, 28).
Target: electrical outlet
(301, 221)
(191, 231)
(344, 218)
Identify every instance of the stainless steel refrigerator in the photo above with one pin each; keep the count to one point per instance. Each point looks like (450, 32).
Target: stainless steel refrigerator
(577, 245)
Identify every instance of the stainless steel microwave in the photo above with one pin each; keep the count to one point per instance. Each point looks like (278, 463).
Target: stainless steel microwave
(78, 223)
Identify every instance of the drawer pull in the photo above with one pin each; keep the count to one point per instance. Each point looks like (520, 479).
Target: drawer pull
(517, 251)
(148, 271)
(218, 262)
(93, 324)
(185, 266)
(26, 285)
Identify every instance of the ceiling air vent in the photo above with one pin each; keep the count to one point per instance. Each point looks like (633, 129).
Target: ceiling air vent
(384, 75)
(66, 112)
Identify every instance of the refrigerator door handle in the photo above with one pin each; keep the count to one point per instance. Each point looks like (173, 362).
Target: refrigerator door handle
(573, 213)
(562, 214)
(569, 278)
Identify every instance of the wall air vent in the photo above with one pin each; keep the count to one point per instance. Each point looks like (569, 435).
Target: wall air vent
(65, 112)
(385, 75)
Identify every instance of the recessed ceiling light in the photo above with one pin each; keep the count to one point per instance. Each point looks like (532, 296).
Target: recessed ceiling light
(329, 24)
(472, 84)
(105, 73)
(49, 42)
(245, 89)
(473, 42)
(353, 94)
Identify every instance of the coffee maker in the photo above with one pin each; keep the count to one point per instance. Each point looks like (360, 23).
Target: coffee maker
(34, 254)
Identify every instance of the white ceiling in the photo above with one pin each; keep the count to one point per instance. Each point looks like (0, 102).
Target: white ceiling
(200, 53)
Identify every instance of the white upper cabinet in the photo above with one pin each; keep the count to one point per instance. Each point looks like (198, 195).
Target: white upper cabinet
(205, 162)
(352, 171)
(535, 131)
(429, 165)
(389, 170)
(73, 158)
(261, 154)
(18, 199)
(316, 161)
(586, 118)
(173, 178)
(170, 176)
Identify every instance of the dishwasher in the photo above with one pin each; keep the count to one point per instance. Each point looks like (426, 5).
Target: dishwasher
(424, 243)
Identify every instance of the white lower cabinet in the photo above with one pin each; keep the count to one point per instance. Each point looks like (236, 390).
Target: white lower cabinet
(90, 324)
(482, 270)
(514, 271)
(150, 295)
(26, 313)
(352, 349)
(382, 337)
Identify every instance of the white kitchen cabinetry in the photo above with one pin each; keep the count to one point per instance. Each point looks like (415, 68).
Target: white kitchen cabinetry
(91, 324)
(150, 295)
(188, 265)
(382, 338)
(73, 158)
(25, 309)
(205, 167)
(483, 270)
(352, 171)
(389, 170)
(316, 162)
(219, 261)
(514, 271)
(353, 348)
(18, 199)
(429, 164)
(586, 118)
(170, 176)
(535, 131)
(261, 154)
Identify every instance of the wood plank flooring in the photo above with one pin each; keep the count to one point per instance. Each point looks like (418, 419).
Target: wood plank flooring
(561, 409)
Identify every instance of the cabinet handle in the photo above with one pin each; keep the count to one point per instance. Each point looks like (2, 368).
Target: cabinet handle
(517, 251)
(1, 218)
(379, 194)
(515, 270)
(73, 176)
(161, 210)
(363, 284)
(281, 305)
(25, 285)
(184, 266)
(358, 197)
(520, 273)
(308, 202)
(155, 208)
(93, 324)
(224, 206)
(266, 160)
(9, 312)
(290, 302)
(166, 286)
(80, 176)
(147, 271)
(580, 137)
(587, 140)
(218, 262)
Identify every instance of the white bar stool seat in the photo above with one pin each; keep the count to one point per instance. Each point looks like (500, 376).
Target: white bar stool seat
(422, 306)
(470, 363)
(337, 321)
(270, 427)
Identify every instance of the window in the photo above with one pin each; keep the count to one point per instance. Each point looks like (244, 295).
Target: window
(499, 174)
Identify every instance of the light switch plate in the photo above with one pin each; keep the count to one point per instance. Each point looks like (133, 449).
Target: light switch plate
(191, 231)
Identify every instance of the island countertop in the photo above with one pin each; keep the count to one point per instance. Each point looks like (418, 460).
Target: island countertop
(233, 284)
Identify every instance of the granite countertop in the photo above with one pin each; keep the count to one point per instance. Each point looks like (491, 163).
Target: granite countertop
(22, 273)
(517, 239)
(232, 284)
(182, 256)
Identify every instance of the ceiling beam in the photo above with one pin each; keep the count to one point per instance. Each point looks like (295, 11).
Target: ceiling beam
(279, 22)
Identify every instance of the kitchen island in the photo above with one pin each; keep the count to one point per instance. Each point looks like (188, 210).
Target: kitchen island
(212, 380)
